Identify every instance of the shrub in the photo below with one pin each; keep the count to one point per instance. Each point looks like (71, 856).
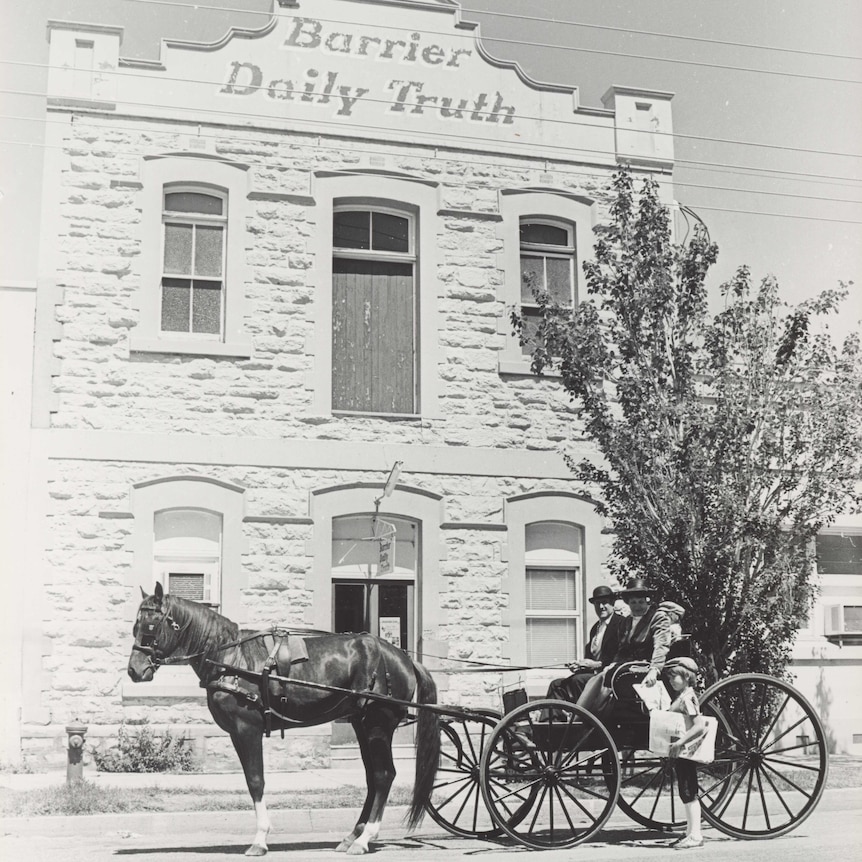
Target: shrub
(145, 751)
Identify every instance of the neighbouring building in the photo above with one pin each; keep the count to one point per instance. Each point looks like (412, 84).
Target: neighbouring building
(271, 269)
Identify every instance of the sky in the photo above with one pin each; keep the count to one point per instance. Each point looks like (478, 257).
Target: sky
(767, 110)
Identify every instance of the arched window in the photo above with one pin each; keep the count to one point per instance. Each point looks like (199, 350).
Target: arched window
(193, 261)
(546, 235)
(548, 265)
(192, 293)
(375, 565)
(553, 587)
(187, 550)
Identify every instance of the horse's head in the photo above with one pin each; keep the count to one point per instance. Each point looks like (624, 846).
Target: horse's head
(156, 636)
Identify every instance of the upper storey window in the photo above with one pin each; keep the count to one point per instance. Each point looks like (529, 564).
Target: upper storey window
(195, 227)
(373, 311)
(193, 274)
(548, 264)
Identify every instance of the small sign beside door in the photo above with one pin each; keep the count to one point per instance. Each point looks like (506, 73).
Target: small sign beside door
(390, 630)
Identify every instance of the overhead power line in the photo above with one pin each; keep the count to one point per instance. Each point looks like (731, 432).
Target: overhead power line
(629, 30)
(522, 42)
(569, 152)
(449, 183)
(484, 163)
(427, 107)
(558, 21)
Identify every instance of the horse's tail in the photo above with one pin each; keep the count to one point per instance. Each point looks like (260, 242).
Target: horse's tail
(427, 746)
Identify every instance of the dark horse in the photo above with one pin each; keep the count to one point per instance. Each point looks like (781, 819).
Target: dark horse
(230, 664)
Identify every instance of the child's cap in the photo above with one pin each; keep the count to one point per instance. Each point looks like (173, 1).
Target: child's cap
(672, 608)
(681, 663)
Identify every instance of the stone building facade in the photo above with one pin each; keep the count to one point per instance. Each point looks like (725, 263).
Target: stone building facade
(272, 268)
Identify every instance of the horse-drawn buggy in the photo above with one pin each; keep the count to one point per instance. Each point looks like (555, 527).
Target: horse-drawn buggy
(545, 773)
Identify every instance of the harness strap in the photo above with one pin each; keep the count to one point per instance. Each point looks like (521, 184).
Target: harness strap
(268, 666)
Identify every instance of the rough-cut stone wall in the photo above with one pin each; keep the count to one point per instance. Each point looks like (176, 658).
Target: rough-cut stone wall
(87, 618)
(100, 386)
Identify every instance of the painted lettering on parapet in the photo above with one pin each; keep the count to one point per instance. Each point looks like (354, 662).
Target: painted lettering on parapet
(401, 95)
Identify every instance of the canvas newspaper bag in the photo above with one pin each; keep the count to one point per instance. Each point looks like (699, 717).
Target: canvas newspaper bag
(667, 727)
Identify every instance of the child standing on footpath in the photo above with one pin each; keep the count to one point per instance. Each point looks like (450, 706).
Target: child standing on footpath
(682, 673)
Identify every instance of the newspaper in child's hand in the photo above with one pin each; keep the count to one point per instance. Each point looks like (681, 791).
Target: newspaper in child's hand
(654, 696)
(668, 727)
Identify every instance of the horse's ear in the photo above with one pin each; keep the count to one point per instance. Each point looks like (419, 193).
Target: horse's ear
(160, 593)
(143, 593)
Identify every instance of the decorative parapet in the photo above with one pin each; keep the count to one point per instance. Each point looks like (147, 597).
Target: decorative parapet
(83, 61)
(643, 123)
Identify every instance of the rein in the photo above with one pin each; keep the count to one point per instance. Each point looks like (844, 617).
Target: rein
(151, 648)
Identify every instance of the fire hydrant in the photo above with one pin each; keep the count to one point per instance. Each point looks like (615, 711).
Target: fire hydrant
(75, 752)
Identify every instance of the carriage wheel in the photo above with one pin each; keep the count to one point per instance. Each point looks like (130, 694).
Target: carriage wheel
(456, 802)
(544, 775)
(770, 757)
(648, 791)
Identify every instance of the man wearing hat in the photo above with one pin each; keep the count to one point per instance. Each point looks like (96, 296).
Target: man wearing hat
(646, 637)
(600, 649)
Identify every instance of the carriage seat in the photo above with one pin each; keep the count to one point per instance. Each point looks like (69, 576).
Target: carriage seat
(627, 674)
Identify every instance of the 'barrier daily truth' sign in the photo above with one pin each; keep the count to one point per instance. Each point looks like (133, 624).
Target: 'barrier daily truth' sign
(407, 90)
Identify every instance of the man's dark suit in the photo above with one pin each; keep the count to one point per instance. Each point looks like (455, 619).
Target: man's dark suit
(647, 639)
(570, 687)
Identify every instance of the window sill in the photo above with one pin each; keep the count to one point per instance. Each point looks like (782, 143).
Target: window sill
(370, 415)
(235, 349)
(151, 690)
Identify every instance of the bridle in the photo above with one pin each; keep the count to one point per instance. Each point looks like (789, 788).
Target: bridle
(149, 645)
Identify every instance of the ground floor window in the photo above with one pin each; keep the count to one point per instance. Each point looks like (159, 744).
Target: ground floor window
(552, 588)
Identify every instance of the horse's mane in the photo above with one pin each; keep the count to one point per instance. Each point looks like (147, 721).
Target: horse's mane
(204, 629)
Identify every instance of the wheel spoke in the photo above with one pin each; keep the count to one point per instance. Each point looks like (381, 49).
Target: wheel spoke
(772, 723)
(804, 766)
(725, 803)
(747, 799)
(785, 732)
(577, 802)
(539, 804)
(762, 799)
(777, 793)
(566, 810)
(768, 765)
(737, 736)
(795, 748)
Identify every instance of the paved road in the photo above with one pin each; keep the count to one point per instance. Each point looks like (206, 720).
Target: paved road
(832, 834)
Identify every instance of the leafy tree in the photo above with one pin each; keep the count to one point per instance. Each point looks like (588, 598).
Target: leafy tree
(728, 442)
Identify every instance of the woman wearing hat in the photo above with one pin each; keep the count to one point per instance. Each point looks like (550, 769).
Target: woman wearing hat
(646, 637)
(603, 644)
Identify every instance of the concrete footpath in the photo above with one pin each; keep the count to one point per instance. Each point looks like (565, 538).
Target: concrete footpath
(285, 821)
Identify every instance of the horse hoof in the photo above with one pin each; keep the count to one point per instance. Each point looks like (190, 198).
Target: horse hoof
(356, 850)
(256, 850)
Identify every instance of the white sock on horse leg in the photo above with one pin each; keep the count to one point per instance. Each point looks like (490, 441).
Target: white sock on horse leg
(369, 834)
(263, 823)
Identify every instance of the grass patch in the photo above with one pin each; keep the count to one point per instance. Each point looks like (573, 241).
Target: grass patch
(85, 797)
